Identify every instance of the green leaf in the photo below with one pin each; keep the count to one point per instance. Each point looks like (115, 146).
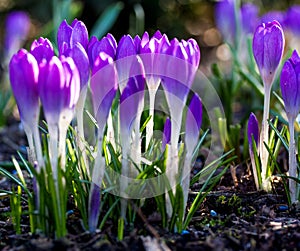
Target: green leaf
(107, 19)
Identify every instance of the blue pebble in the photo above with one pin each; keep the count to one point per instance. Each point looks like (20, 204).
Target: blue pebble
(213, 213)
(70, 212)
(185, 232)
(283, 208)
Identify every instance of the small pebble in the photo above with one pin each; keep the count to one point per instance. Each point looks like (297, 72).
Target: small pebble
(283, 208)
(70, 212)
(185, 232)
(213, 213)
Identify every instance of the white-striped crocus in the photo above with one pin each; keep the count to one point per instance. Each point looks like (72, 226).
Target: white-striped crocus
(253, 137)
(290, 89)
(104, 85)
(72, 42)
(268, 46)
(192, 130)
(23, 73)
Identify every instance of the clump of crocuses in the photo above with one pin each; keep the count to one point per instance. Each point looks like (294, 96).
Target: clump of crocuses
(118, 75)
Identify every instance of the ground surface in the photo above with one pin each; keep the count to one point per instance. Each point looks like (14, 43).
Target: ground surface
(232, 217)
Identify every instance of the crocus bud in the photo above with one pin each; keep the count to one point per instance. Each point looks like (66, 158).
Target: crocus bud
(290, 85)
(166, 138)
(292, 21)
(249, 16)
(253, 130)
(106, 44)
(42, 49)
(225, 19)
(17, 26)
(268, 46)
(59, 87)
(69, 35)
(193, 122)
(23, 73)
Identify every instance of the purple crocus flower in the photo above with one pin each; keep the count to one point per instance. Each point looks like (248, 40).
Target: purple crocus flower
(290, 85)
(107, 44)
(225, 19)
(292, 19)
(17, 25)
(253, 130)
(166, 138)
(42, 49)
(69, 35)
(193, 122)
(104, 85)
(268, 46)
(23, 73)
(94, 208)
(249, 16)
(59, 87)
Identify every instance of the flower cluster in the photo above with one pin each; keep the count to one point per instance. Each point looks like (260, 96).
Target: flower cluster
(119, 73)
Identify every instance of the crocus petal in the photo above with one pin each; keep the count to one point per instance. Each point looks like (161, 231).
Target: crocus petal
(78, 54)
(131, 96)
(79, 34)
(23, 73)
(290, 85)
(64, 34)
(253, 130)
(126, 47)
(104, 85)
(166, 138)
(193, 122)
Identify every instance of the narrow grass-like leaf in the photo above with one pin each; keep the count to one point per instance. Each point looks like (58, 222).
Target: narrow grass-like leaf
(107, 19)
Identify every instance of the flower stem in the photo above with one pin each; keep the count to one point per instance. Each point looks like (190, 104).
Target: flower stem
(292, 163)
(265, 138)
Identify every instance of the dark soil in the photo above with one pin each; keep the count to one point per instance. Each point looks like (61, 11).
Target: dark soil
(233, 217)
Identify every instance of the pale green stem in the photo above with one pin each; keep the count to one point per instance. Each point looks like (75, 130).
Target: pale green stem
(99, 166)
(62, 146)
(172, 164)
(153, 87)
(124, 172)
(265, 138)
(31, 149)
(292, 163)
(53, 155)
(38, 148)
(185, 179)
